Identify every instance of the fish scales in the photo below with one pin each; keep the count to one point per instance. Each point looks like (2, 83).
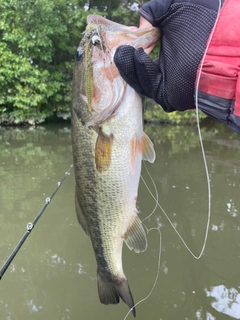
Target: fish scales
(109, 210)
(108, 147)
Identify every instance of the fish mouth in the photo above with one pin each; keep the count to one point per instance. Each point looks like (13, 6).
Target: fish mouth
(93, 37)
(146, 37)
(100, 76)
(112, 35)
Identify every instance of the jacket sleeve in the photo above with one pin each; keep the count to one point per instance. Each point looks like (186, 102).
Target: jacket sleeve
(155, 11)
(185, 27)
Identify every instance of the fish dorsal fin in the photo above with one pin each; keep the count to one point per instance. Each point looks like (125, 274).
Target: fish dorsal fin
(148, 152)
(103, 151)
(135, 237)
(81, 219)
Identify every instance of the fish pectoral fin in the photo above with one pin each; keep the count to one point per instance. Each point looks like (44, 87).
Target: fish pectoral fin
(135, 237)
(81, 219)
(110, 289)
(148, 152)
(133, 152)
(103, 151)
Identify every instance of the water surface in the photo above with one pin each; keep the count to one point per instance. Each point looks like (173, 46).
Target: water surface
(54, 274)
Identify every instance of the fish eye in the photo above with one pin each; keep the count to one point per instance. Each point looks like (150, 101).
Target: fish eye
(79, 54)
(95, 40)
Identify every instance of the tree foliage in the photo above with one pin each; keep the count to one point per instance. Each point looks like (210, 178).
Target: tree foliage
(38, 40)
(37, 46)
(155, 114)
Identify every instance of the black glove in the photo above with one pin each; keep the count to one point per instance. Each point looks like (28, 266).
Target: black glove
(139, 71)
(185, 27)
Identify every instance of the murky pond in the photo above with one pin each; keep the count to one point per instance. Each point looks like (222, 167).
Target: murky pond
(54, 274)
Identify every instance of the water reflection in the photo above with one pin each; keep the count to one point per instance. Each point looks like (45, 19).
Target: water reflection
(226, 300)
(33, 307)
(54, 274)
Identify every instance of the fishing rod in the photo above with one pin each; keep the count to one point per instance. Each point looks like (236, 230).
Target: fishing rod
(31, 225)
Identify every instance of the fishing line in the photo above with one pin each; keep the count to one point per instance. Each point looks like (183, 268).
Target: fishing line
(155, 188)
(199, 131)
(203, 154)
(160, 241)
(98, 32)
(157, 275)
(31, 225)
(174, 228)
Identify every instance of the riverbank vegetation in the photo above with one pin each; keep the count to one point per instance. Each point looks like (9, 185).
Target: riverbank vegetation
(37, 47)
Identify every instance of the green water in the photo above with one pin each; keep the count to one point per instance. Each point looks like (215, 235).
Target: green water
(54, 274)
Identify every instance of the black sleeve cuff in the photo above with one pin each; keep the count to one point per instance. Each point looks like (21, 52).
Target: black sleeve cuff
(154, 10)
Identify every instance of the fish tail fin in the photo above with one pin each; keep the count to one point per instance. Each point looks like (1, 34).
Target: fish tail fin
(110, 289)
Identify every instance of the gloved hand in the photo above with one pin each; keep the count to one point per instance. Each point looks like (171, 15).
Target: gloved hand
(185, 27)
(139, 71)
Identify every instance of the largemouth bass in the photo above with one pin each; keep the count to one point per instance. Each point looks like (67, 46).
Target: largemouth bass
(108, 147)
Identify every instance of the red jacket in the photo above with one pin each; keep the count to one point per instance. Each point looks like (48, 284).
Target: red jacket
(219, 79)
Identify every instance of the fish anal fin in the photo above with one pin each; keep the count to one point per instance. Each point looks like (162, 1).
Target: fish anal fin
(110, 289)
(81, 219)
(103, 151)
(147, 149)
(135, 236)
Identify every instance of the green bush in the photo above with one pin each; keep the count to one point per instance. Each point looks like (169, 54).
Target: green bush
(155, 113)
(37, 47)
